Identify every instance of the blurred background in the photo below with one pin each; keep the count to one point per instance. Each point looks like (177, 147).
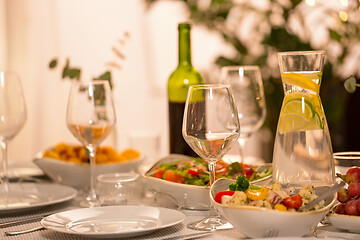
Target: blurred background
(135, 43)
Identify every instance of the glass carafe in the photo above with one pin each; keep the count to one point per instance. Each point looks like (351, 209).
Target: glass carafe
(302, 151)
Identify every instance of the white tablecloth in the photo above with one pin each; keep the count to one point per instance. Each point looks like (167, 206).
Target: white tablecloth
(178, 230)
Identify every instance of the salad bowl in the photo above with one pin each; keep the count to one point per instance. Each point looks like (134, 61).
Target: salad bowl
(256, 222)
(186, 196)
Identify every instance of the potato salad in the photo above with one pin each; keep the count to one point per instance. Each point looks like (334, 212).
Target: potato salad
(241, 193)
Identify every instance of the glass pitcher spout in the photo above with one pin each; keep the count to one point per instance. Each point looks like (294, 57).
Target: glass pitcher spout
(302, 152)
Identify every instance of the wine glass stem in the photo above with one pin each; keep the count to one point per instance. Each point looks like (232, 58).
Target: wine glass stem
(212, 172)
(241, 142)
(212, 212)
(5, 179)
(92, 193)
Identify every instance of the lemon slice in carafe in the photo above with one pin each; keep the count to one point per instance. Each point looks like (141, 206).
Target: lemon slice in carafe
(299, 113)
(309, 81)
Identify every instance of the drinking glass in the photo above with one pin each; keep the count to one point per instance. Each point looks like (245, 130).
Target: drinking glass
(248, 90)
(12, 115)
(210, 135)
(90, 118)
(119, 189)
(302, 149)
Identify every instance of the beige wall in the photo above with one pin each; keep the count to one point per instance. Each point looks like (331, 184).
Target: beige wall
(85, 31)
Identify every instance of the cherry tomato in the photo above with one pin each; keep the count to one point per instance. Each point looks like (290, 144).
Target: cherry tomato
(247, 170)
(159, 173)
(221, 168)
(219, 195)
(173, 177)
(292, 201)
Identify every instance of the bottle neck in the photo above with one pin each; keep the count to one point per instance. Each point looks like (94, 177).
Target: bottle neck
(184, 47)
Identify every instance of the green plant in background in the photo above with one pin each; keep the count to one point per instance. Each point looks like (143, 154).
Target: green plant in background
(350, 84)
(74, 73)
(258, 30)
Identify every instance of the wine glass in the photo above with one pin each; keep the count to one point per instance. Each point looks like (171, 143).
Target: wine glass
(90, 118)
(208, 134)
(248, 90)
(12, 115)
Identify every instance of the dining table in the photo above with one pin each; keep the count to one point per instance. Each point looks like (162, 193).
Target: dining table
(323, 230)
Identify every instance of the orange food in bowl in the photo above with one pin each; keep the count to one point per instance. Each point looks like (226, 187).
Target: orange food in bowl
(77, 154)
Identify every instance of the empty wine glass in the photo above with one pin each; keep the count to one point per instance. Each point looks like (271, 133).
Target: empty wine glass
(209, 135)
(12, 115)
(90, 118)
(248, 90)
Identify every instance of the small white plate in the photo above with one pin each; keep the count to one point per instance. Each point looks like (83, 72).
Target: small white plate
(25, 196)
(345, 222)
(112, 221)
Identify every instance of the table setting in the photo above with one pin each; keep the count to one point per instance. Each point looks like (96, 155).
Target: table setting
(89, 191)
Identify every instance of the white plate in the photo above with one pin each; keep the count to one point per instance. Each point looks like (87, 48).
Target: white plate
(112, 221)
(345, 222)
(25, 196)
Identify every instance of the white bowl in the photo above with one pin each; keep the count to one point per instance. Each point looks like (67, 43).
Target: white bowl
(345, 160)
(345, 222)
(185, 195)
(254, 222)
(78, 175)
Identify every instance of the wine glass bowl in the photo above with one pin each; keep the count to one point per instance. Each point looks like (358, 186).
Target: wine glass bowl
(90, 118)
(248, 91)
(210, 127)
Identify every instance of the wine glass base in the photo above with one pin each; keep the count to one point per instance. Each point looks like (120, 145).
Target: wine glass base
(208, 223)
(88, 204)
(86, 200)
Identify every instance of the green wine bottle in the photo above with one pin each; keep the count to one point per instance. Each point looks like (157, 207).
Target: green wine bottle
(178, 85)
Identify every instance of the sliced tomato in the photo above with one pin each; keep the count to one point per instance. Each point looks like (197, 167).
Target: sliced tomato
(173, 177)
(159, 173)
(219, 195)
(194, 172)
(247, 170)
(221, 168)
(292, 202)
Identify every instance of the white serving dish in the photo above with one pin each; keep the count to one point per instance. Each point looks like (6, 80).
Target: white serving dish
(184, 195)
(78, 175)
(254, 222)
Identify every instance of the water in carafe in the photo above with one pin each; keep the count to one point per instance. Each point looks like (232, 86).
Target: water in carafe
(302, 152)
